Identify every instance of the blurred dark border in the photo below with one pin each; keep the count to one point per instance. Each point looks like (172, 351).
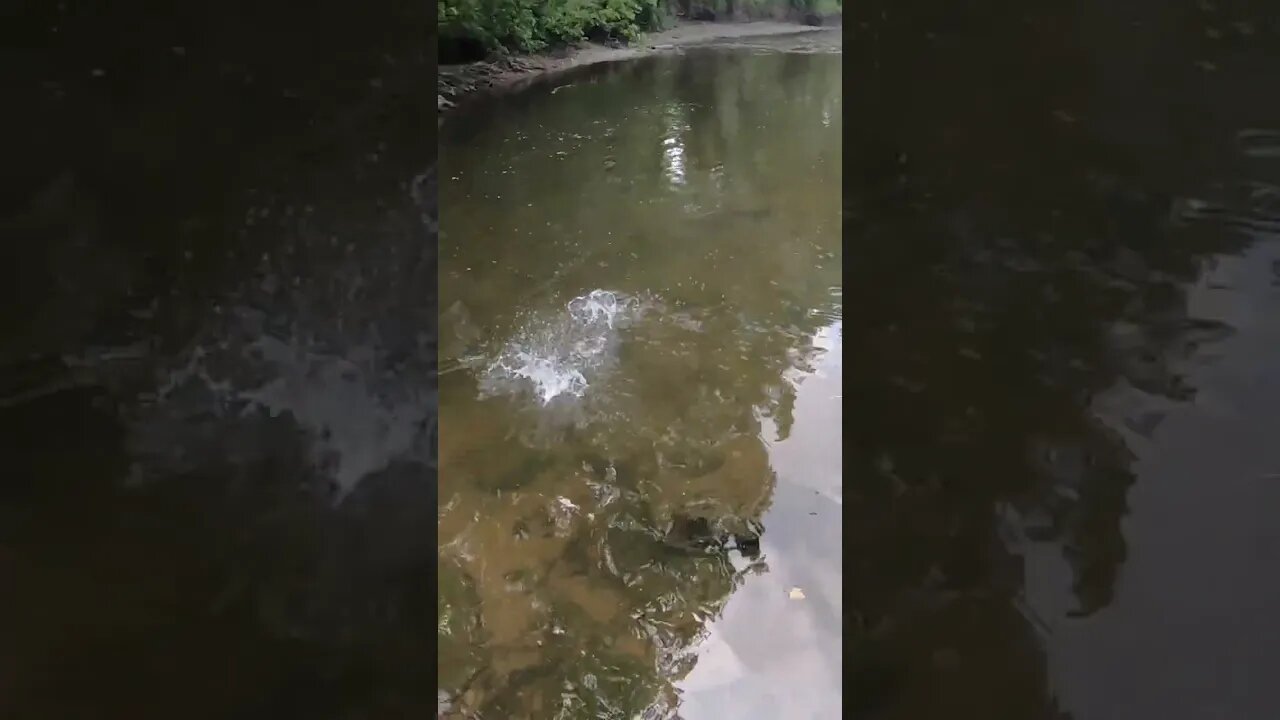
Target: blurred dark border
(159, 115)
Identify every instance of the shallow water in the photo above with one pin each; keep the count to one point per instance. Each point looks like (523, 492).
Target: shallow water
(1062, 247)
(640, 394)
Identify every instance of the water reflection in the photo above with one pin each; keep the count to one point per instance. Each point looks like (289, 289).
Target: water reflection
(673, 146)
(1039, 189)
(671, 282)
(795, 669)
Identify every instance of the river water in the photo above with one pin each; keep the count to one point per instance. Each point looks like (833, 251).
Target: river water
(1060, 235)
(1062, 253)
(641, 387)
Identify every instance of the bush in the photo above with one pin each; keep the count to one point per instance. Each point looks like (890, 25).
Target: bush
(530, 25)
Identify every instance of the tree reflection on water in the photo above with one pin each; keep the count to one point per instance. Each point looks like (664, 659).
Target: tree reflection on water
(1022, 231)
(588, 543)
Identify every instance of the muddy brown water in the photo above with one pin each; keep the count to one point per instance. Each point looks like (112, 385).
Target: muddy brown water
(1061, 257)
(641, 391)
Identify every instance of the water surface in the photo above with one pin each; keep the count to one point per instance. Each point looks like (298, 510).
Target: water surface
(640, 400)
(216, 364)
(1061, 249)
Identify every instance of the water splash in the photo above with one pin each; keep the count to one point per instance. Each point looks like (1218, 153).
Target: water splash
(209, 406)
(598, 305)
(559, 357)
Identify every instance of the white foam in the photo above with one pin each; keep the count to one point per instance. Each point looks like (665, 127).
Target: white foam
(561, 356)
(550, 377)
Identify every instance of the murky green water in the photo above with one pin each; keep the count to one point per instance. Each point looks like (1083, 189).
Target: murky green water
(640, 395)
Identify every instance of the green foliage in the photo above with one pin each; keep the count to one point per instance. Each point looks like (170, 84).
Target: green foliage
(531, 25)
(535, 24)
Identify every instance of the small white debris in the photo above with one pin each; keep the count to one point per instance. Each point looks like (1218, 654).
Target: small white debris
(795, 593)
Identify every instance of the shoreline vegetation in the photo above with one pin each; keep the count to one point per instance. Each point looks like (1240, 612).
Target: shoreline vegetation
(490, 45)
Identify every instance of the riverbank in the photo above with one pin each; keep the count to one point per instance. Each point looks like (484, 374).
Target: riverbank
(456, 82)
